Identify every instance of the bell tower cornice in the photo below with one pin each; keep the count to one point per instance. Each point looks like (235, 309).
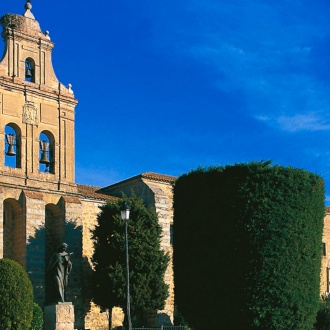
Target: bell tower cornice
(12, 33)
(16, 84)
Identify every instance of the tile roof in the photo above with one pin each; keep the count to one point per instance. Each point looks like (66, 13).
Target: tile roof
(158, 177)
(147, 175)
(91, 192)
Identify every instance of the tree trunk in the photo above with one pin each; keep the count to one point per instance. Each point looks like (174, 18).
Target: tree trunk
(110, 318)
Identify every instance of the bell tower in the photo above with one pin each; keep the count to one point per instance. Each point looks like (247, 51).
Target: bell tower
(36, 110)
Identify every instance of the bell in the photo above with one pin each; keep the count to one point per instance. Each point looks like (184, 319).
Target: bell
(44, 158)
(11, 151)
(28, 73)
(10, 140)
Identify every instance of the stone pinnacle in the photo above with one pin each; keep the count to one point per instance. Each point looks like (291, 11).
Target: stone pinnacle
(28, 8)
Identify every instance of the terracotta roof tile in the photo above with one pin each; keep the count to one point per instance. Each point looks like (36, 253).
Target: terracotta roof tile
(91, 192)
(147, 175)
(158, 177)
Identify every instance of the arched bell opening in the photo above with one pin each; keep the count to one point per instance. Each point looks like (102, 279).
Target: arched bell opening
(46, 152)
(12, 146)
(29, 72)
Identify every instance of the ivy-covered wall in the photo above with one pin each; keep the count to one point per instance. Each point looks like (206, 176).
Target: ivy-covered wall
(247, 246)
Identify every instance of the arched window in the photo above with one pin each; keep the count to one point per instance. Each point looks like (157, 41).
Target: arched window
(12, 146)
(29, 70)
(47, 155)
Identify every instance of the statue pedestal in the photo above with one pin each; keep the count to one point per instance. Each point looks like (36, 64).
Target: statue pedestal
(59, 316)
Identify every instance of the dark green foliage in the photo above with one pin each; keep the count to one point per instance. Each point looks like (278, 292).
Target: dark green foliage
(179, 319)
(147, 261)
(323, 316)
(247, 247)
(38, 318)
(16, 296)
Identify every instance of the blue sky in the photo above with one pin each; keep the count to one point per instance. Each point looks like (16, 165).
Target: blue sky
(167, 86)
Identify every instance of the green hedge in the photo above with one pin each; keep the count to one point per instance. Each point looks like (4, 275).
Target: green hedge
(247, 246)
(16, 296)
(38, 318)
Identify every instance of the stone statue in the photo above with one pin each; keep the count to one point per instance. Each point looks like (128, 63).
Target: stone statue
(58, 270)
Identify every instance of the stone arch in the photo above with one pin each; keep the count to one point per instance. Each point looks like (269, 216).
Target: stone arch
(55, 228)
(13, 137)
(14, 231)
(47, 151)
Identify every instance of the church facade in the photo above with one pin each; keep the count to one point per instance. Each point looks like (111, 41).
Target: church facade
(41, 206)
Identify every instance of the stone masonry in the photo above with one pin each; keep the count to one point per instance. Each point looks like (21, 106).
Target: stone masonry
(41, 206)
(325, 268)
(156, 192)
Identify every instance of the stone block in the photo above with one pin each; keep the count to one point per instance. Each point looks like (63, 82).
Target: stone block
(59, 317)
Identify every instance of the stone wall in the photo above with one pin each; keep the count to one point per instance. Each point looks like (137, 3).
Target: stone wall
(34, 222)
(94, 318)
(325, 269)
(33, 217)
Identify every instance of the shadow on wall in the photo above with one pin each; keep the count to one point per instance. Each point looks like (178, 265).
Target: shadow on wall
(78, 290)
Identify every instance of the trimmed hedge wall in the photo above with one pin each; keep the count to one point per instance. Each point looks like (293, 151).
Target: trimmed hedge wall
(16, 296)
(247, 246)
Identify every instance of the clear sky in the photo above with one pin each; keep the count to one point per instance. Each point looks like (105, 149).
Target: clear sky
(170, 85)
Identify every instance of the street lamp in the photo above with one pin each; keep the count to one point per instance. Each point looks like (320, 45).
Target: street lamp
(124, 212)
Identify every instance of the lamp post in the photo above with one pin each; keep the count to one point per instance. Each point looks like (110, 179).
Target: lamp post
(124, 212)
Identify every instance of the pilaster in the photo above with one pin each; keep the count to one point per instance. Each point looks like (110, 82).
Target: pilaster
(34, 212)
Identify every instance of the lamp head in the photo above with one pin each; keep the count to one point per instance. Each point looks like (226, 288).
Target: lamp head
(124, 211)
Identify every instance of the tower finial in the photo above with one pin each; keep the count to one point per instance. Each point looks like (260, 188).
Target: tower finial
(28, 12)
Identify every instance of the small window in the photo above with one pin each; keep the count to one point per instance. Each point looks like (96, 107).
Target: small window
(29, 70)
(324, 249)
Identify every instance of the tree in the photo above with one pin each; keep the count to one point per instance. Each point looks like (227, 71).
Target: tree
(147, 262)
(16, 296)
(250, 238)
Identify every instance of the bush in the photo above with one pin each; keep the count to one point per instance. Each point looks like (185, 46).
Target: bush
(38, 319)
(247, 246)
(323, 315)
(16, 296)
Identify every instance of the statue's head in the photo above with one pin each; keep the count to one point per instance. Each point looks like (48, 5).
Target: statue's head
(62, 247)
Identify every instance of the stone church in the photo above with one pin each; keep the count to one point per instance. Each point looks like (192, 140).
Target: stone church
(41, 205)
